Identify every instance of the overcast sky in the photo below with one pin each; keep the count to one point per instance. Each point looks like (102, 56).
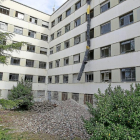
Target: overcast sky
(43, 5)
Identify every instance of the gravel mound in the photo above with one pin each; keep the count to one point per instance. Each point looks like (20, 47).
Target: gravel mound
(64, 121)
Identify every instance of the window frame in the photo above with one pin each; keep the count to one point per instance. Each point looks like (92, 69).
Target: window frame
(59, 33)
(57, 63)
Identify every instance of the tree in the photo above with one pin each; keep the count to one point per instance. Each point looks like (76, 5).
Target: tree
(23, 92)
(116, 115)
(4, 48)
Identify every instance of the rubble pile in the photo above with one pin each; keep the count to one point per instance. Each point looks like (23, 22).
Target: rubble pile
(64, 121)
(42, 107)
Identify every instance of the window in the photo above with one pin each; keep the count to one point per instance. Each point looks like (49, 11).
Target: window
(59, 18)
(1, 75)
(15, 61)
(55, 95)
(59, 33)
(58, 47)
(45, 24)
(52, 37)
(91, 33)
(29, 78)
(106, 76)
(31, 34)
(18, 30)
(41, 79)
(57, 63)
(49, 79)
(127, 46)
(13, 77)
(51, 50)
(64, 96)
(91, 13)
(75, 78)
(50, 65)
(91, 55)
(68, 12)
(3, 26)
(66, 61)
(78, 5)
(88, 98)
(67, 44)
(30, 48)
(126, 19)
(41, 93)
(53, 23)
(67, 28)
(29, 63)
(65, 78)
(44, 37)
(121, 1)
(105, 51)
(76, 58)
(43, 51)
(75, 96)
(77, 40)
(33, 20)
(4, 10)
(105, 6)
(19, 15)
(14, 42)
(78, 22)
(57, 79)
(42, 65)
(128, 74)
(2, 42)
(89, 77)
(105, 28)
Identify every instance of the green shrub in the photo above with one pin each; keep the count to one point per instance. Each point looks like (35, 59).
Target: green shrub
(116, 115)
(23, 91)
(9, 104)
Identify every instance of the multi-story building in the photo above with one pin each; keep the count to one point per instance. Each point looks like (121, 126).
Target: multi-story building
(57, 44)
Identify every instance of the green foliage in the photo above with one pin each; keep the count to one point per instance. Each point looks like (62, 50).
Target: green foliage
(7, 46)
(23, 92)
(9, 104)
(116, 115)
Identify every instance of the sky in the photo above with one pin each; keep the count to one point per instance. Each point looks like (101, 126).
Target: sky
(43, 5)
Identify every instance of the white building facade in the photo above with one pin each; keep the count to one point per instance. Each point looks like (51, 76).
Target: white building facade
(57, 44)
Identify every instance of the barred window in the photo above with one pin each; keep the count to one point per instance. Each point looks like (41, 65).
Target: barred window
(128, 74)
(29, 78)
(42, 65)
(30, 63)
(41, 79)
(4, 10)
(15, 61)
(13, 77)
(30, 48)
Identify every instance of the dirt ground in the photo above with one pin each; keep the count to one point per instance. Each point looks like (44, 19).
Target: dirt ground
(7, 119)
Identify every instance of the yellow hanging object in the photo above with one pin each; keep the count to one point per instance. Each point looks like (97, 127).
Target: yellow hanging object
(88, 10)
(88, 47)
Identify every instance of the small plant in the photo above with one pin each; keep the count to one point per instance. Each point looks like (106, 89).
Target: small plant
(23, 92)
(116, 115)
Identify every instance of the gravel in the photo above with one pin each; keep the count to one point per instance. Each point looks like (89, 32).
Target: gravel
(64, 121)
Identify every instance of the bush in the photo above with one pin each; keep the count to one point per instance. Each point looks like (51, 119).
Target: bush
(9, 104)
(23, 92)
(116, 115)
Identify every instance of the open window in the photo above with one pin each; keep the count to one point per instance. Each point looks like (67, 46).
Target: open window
(50, 79)
(67, 44)
(127, 46)
(43, 51)
(106, 76)
(66, 61)
(41, 79)
(65, 78)
(50, 65)
(91, 55)
(19, 15)
(89, 77)
(57, 63)
(45, 24)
